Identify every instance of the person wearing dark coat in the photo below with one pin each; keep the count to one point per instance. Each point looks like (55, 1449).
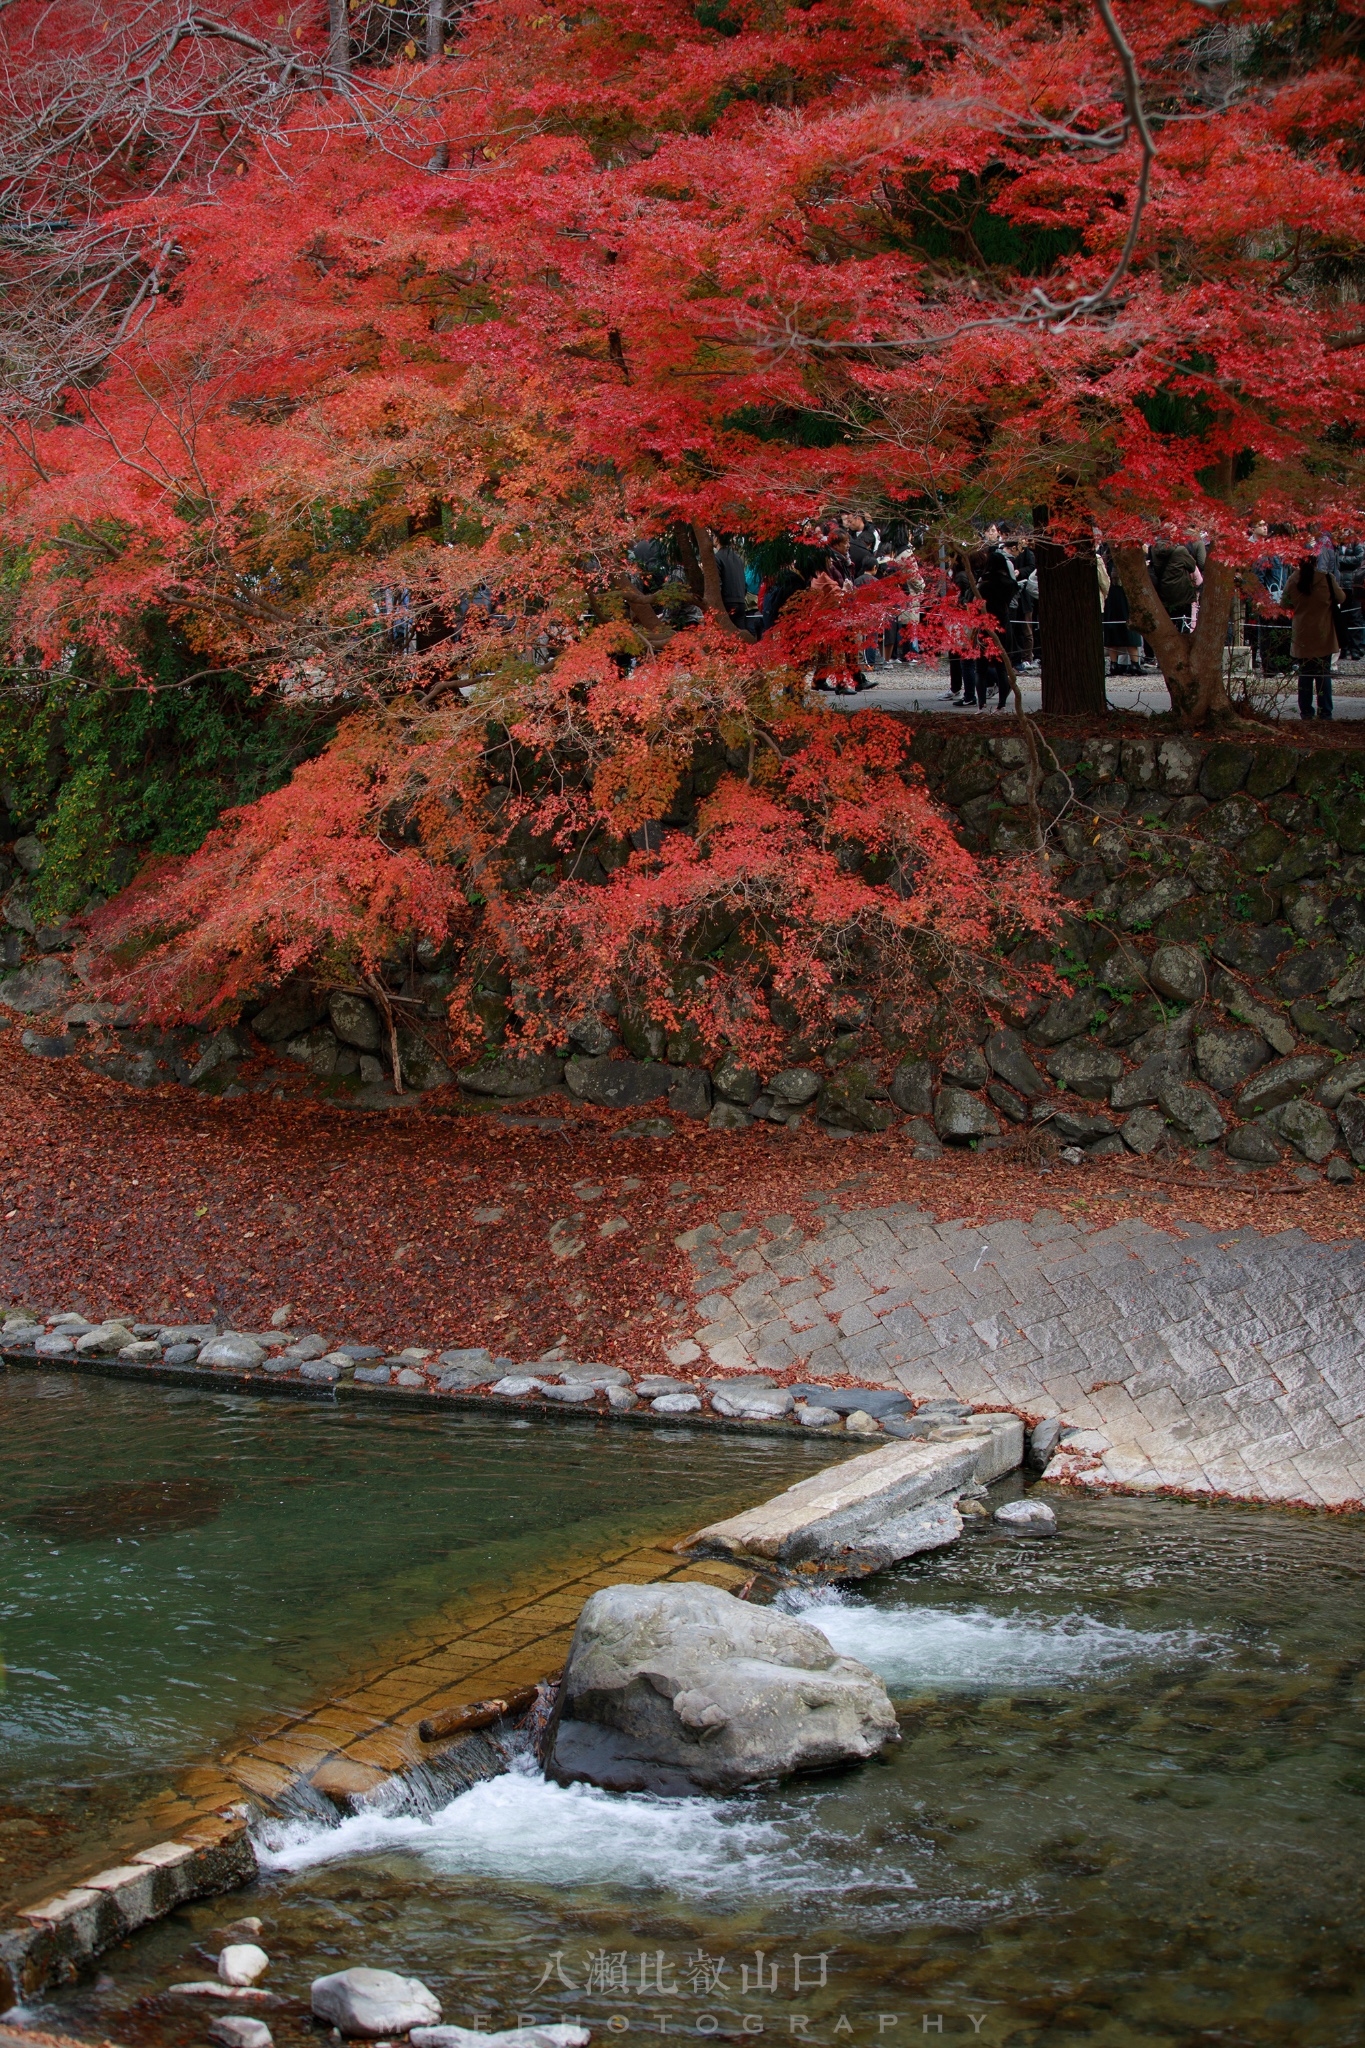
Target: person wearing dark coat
(998, 587)
(1175, 567)
(1315, 598)
(730, 564)
(1122, 640)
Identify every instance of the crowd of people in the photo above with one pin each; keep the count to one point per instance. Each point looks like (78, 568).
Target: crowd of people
(1300, 610)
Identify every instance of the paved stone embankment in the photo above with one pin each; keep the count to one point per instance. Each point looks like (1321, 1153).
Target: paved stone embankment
(1221, 1362)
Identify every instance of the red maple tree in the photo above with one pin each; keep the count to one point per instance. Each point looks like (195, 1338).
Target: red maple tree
(418, 328)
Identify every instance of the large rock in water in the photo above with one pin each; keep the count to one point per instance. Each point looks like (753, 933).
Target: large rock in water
(684, 1688)
(373, 2004)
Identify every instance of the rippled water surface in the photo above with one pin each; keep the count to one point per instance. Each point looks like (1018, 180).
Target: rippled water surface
(1129, 1807)
(176, 1566)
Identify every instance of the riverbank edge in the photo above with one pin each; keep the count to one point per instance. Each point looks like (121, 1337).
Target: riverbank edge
(415, 1400)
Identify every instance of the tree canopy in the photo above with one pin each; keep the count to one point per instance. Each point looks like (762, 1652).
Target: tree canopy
(362, 344)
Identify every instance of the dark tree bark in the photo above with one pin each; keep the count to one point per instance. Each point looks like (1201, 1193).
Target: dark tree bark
(1070, 630)
(339, 37)
(685, 544)
(1194, 664)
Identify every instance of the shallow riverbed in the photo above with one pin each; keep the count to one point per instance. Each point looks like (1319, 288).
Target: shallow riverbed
(176, 1566)
(1128, 1808)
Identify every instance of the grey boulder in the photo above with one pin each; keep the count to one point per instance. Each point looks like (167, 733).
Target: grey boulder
(690, 1093)
(1191, 1111)
(230, 1352)
(1143, 1085)
(1227, 1058)
(513, 1076)
(684, 1688)
(372, 2004)
(1351, 1117)
(1085, 1070)
(959, 1116)
(911, 1088)
(735, 1082)
(1143, 1131)
(354, 1020)
(1343, 1080)
(1282, 1080)
(1308, 1127)
(616, 1084)
(796, 1086)
(1065, 1017)
(235, 2030)
(1008, 1060)
(751, 1404)
(1178, 973)
(37, 988)
(1253, 1146)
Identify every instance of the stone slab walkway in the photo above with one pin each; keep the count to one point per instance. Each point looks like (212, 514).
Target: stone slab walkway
(1224, 1362)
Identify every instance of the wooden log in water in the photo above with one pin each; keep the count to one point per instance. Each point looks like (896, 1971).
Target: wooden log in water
(459, 1720)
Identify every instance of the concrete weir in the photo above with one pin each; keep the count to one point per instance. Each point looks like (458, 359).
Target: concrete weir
(865, 1514)
(852, 1518)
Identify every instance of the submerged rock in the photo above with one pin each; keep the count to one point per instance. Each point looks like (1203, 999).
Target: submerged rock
(372, 2004)
(684, 1688)
(1030, 1517)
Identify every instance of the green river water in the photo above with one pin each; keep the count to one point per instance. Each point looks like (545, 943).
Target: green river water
(1128, 1806)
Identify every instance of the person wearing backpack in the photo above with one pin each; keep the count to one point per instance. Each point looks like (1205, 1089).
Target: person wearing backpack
(1176, 569)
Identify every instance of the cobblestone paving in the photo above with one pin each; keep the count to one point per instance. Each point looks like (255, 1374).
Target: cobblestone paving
(1213, 1362)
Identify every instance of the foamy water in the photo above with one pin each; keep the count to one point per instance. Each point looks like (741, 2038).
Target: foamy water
(522, 1829)
(971, 1649)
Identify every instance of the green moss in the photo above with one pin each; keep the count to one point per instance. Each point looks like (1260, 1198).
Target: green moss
(106, 775)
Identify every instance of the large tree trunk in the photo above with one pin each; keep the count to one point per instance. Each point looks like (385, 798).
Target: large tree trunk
(339, 38)
(685, 543)
(1194, 664)
(436, 29)
(710, 573)
(1070, 631)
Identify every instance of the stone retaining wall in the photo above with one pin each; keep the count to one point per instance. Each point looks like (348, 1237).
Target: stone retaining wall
(1213, 932)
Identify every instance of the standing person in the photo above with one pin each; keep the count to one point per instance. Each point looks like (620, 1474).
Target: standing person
(1272, 573)
(863, 539)
(1024, 563)
(1351, 577)
(733, 584)
(905, 632)
(1314, 597)
(998, 587)
(839, 562)
(1175, 568)
(1122, 641)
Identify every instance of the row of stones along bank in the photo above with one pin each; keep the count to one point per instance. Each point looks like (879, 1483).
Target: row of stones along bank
(281, 1357)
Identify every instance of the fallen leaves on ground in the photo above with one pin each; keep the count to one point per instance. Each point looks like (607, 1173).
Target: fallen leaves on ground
(445, 1225)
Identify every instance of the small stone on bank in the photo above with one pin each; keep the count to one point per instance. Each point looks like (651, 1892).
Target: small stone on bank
(817, 1418)
(675, 1404)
